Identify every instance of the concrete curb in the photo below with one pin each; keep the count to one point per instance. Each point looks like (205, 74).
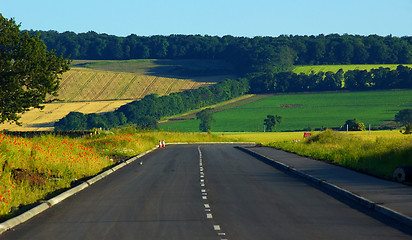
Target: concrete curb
(66, 194)
(9, 224)
(336, 189)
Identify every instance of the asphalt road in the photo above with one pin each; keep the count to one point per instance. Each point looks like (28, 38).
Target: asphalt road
(203, 192)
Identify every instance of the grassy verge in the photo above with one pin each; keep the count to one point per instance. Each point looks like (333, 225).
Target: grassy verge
(375, 155)
(41, 167)
(31, 169)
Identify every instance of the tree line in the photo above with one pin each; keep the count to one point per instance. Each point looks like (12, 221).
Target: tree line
(146, 112)
(247, 54)
(380, 78)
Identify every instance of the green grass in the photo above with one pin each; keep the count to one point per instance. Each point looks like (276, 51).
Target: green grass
(31, 169)
(299, 111)
(334, 68)
(378, 156)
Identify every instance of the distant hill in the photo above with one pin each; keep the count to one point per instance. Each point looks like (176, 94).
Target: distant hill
(90, 80)
(97, 86)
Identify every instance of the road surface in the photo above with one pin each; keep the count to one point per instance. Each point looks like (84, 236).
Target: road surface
(207, 191)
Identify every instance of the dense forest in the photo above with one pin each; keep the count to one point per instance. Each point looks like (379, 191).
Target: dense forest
(263, 65)
(248, 54)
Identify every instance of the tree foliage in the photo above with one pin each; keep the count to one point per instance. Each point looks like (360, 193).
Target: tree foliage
(250, 53)
(206, 118)
(73, 121)
(260, 59)
(404, 117)
(355, 125)
(380, 78)
(28, 72)
(271, 121)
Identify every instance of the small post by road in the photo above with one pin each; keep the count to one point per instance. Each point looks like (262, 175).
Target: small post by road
(369, 129)
(347, 128)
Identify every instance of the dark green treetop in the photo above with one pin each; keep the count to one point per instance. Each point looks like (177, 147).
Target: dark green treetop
(206, 119)
(404, 117)
(28, 71)
(271, 122)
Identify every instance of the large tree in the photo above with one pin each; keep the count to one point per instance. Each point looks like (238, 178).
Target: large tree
(28, 71)
(271, 121)
(404, 117)
(206, 119)
(355, 125)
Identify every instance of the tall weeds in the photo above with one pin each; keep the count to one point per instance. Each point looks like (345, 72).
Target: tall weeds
(378, 157)
(31, 169)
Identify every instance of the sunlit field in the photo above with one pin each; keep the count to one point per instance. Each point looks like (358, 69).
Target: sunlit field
(43, 120)
(270, 137)
(334, 68)
(307, 111)
(81, 84)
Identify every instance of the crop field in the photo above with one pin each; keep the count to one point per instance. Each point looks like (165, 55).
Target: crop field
(233, 103)
(307, 111)
(43, 120)
(335, 68)
(96, 85)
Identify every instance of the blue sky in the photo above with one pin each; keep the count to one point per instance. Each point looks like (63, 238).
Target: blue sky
(214, 17)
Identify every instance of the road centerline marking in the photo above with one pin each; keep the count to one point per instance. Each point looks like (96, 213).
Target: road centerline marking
(204, 194)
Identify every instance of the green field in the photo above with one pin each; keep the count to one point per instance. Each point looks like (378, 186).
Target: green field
(334, 68)
(301, 111)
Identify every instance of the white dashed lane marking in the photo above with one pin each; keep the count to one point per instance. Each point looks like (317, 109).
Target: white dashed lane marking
(203, 190)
